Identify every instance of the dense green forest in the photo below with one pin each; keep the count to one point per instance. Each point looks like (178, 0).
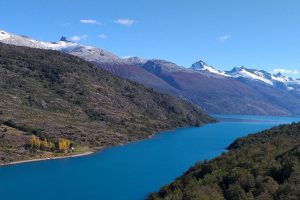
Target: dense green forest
(55, 96)
(262, 166)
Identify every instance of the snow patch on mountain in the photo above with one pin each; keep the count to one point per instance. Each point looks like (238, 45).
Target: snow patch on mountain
(101, 56)
(89, 53)
(289, 82)
(281, 78)
(17, 40)
(202, 66)
(252, 75)
(243, 72)
(275, 80)
(4, 35)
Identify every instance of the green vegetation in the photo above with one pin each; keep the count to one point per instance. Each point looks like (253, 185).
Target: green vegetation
(262, 166)
(53, 95)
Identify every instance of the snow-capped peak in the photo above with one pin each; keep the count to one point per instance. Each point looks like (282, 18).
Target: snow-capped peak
(276, 80)
(202, 66)
(243, 72)
(4, 35)
(64, 39)
(289, 82)
(17, 40)
(102, 56)
(88, 53)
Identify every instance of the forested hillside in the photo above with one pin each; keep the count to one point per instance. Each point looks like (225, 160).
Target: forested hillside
(58, 97)
(262, 166)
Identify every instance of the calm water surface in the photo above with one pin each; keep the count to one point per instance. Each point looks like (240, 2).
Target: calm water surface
(128, 172)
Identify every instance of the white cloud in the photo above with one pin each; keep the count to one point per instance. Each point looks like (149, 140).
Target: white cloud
(125, 22)
(89, 21)
(285, 71)
(224, 38)
(78, 38)
(75, 38)
(102, 36)
(126, 57)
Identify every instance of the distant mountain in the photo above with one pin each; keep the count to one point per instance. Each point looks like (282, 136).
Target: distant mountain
(88, 53)
(239, 91)
(276, 80)
(201, 66)
(54, 95)
(254, 75)
(217, 92)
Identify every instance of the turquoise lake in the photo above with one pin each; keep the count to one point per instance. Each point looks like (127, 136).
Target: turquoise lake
(132, 171)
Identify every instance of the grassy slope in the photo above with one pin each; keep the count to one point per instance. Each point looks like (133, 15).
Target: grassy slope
(262, 166)
(55, 95)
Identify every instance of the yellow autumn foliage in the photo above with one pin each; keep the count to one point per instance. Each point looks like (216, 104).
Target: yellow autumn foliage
(37, 143)
(64, 144)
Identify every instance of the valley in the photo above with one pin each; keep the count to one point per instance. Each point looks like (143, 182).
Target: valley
(154, 100)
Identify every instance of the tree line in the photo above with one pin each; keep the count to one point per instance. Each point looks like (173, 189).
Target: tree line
(262, 166)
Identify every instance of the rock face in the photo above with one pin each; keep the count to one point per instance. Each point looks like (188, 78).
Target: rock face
(239, 91)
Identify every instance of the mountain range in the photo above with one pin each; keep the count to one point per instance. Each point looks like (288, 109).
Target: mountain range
(238, 91)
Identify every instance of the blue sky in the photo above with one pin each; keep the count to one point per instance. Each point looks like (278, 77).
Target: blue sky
(223, 33)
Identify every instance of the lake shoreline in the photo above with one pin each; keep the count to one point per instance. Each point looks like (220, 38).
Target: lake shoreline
(97, 151)
(73, 155)
(167, 154)
(93, 152)
(45, 159)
